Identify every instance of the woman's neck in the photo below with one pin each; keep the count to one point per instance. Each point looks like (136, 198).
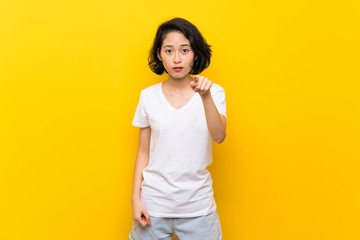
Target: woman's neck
(180, 84)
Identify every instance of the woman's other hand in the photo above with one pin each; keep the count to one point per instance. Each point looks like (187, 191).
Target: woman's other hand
(139, 213)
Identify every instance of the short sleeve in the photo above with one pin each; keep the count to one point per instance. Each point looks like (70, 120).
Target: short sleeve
(219, 100)
(140, 117)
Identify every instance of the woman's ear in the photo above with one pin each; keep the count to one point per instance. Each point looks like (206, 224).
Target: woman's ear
(196, 57)
(158, 55)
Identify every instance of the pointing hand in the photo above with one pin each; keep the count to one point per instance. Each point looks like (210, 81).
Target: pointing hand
(201, 85)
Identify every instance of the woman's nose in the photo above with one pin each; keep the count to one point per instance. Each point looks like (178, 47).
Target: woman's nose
(177, 57)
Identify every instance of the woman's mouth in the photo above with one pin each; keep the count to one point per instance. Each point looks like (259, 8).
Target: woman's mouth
(177, 69)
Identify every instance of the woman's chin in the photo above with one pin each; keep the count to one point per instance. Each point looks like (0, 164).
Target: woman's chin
(179, 75)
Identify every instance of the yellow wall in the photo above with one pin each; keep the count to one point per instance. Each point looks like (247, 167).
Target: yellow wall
(70, 78)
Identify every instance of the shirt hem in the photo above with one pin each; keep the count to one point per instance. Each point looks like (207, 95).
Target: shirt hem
(140, 125)
(191, 215)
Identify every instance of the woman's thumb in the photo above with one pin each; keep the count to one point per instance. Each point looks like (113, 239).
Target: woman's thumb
(147, 217)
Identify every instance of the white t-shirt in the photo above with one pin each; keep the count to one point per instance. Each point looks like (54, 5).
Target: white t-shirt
(176, 181)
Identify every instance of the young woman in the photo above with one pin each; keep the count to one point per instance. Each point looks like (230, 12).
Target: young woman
(172, 188)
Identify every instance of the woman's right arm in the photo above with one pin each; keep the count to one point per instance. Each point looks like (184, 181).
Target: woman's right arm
(142, 160)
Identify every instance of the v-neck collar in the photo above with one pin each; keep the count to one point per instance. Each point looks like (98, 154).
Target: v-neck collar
(167, 102)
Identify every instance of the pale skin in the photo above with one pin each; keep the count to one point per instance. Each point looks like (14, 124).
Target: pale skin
(178, 90)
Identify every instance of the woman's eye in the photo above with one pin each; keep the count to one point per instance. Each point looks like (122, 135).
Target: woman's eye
(167, 50)
(185, 50)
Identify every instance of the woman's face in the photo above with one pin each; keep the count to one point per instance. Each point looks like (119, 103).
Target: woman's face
(176, 52)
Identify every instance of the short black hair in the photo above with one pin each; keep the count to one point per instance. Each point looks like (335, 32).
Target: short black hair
(202, 51)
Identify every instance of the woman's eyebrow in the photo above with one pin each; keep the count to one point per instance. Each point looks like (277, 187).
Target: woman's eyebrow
(182, 45)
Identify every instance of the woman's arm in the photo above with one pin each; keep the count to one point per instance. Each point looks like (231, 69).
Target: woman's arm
(216, 122)
(142, 160)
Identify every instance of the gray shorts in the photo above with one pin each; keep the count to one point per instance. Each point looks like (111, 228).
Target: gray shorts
(198, 228)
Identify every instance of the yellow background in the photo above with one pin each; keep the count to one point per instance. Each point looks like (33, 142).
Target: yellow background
(70, 78)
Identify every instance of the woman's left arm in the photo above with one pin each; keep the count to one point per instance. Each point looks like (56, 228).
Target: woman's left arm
(216, 122)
